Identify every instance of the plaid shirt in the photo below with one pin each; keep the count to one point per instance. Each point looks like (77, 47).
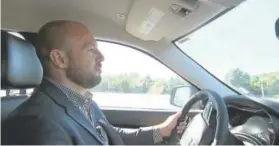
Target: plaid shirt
(85, 102)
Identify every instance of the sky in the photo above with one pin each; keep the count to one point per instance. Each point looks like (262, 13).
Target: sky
(242, 38)
(121, 59)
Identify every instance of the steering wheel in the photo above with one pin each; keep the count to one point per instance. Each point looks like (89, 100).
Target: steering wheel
(202, 127)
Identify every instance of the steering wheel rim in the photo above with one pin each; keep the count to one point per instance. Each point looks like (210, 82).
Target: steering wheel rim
(222, 118)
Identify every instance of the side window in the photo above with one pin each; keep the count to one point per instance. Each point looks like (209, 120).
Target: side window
(16, 92)
(132, 79)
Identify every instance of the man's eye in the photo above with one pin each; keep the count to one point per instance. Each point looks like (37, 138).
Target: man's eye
(91, 50)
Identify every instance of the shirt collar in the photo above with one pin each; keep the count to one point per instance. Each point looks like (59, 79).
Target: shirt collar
(71, 94)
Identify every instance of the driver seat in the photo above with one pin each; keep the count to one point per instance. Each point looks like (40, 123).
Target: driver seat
(20, 69)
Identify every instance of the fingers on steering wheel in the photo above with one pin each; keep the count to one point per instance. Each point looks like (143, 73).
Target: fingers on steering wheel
(206, 114)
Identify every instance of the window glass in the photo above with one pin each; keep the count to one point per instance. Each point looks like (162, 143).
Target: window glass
(240, 48)
(16, 92)
(133, 79)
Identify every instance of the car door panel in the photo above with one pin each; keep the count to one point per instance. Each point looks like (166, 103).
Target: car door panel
(134, 118)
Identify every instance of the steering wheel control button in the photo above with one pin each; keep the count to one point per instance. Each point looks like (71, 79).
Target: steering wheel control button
(207, 112)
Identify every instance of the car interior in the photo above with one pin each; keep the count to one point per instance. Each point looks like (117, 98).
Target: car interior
(151, 27)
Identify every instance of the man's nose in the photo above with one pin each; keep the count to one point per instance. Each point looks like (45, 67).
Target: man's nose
(100, 57)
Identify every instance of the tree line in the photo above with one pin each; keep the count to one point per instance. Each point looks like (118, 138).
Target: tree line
(254, 85)
(135, 83)
(266, 85)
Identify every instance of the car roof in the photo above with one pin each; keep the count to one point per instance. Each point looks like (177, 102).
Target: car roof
(153, 20)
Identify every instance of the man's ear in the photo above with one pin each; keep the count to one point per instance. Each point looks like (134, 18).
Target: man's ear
(59, 58)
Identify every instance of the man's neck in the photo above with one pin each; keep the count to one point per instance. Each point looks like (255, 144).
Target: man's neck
(69, 84)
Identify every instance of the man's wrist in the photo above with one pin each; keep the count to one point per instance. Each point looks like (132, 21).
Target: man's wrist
(163, 130)
(157, 137)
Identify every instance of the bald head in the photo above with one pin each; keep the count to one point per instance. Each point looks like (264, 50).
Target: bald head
(56, 35)
(69, 53)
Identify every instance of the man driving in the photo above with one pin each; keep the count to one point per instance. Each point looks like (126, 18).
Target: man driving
(61, 109)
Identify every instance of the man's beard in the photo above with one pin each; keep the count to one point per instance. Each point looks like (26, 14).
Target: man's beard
(81, 78)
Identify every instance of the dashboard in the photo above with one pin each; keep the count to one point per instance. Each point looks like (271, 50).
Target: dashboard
(253, 122)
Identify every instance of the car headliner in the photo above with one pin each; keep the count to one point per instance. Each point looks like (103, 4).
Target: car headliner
(119, 17)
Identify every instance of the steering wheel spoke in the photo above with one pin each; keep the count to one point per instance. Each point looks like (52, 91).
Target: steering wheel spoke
(207, 112)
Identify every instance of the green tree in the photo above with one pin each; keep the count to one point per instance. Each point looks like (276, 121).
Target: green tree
(125, 85)
(147, 82)
(238, 78)
(275, 87)
(158, 87)
(103, 85)
(255, 85)
(174, 82)
(271, 83)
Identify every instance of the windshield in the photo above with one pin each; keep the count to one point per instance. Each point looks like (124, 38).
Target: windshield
(240, 48)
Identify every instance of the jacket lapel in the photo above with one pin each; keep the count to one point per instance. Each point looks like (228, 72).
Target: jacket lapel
(60, 98)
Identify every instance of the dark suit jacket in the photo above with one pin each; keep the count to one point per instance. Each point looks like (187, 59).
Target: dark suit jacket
(48, 117)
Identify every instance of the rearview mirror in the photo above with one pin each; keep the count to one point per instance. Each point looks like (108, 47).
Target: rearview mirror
(181, 94)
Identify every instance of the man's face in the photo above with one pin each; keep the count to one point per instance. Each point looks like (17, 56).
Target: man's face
(85, 59)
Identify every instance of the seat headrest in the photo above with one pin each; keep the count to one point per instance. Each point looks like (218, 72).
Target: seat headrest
(20, 66)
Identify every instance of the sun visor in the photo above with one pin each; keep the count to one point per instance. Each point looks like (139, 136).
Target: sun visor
(155, 19)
